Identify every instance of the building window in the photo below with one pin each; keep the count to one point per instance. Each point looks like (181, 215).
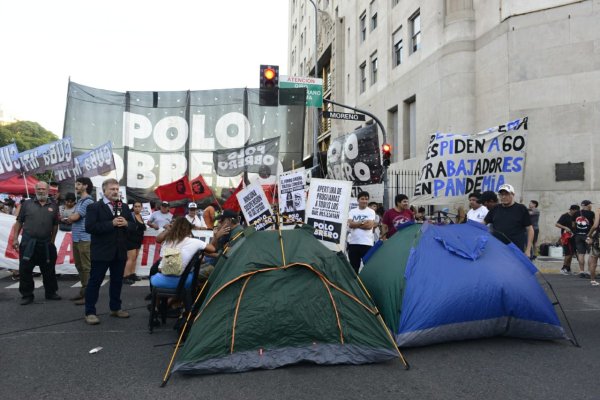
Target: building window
(374, 68)
(415, 31)
(395, 2)
(363, 76)
(304, 36)
(363, 27)
(301, 41)
(293, 57)
(409, 134)
(398, 45)
(301, 69)
(348, 37)
(348, 84)
(373, 20)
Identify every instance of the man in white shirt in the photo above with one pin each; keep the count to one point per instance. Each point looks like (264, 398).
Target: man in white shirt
(478, 211)
(361, 221)
(193, 218)
(161, 217)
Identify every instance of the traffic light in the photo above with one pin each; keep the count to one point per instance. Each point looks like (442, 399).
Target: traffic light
(269, 85)
(386, 152)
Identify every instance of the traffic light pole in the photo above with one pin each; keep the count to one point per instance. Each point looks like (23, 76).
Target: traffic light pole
(315, 109)
(385, 168)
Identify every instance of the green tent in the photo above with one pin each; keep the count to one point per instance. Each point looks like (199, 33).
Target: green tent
(278, 300)
(385, 278)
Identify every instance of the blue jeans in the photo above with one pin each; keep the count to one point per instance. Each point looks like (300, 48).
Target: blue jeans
(97, 274)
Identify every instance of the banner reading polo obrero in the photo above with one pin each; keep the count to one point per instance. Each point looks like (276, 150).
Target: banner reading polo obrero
(158, 137)
(260, 158)
(292, 197)
(456, 165)
(255, 207)
(327, 211)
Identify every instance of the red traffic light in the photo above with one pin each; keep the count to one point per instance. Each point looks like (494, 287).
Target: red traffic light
(386, 148)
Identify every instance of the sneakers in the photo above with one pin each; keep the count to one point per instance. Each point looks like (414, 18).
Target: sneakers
(585, 275)
(53, 296)
(79, 302)
(119, 314)
(594, 283)
(565, 271)
(91, 319)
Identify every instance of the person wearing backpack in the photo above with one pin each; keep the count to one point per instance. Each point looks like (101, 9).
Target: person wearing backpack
(583, 223)
(178, 248)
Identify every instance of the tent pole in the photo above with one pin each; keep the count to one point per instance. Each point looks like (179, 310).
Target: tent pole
(385, 327)
(168, 371)
(574, 341)
(277, 216)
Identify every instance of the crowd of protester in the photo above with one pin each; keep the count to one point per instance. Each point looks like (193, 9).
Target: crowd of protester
(107, 235)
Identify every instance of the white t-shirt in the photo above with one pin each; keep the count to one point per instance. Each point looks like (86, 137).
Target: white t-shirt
(357, 235)
(188, 247)
(197, 221)
(477, 215)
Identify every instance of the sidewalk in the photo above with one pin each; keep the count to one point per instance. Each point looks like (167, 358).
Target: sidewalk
(551, 265)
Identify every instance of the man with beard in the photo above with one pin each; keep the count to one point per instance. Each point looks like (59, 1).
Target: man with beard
(39, 220)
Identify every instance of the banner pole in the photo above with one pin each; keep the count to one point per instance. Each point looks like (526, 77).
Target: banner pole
(26, 186)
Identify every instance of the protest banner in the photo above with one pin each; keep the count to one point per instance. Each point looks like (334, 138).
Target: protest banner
(51, 156)
(159, 136)
(9, 164)
(456, 165)
(149, 252)
(356, 157)
(327, 211)
(255, 207)
(97, 161)
(260, 158)
(292, 195)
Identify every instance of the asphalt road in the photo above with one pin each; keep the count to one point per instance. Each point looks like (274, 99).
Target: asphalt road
(44, 354)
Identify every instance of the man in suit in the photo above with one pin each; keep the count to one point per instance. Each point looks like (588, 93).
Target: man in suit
(107, 221)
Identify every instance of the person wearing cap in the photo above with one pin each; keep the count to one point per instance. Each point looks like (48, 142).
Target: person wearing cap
(566, 223)
(478, 211)
(193, 218)
(593, 240)
(161, 217)
(510, 220)
(584, 220)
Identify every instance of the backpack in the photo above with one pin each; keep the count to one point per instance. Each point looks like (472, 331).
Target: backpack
(172, 263)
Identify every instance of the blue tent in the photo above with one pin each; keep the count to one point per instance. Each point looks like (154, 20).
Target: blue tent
(461, 283)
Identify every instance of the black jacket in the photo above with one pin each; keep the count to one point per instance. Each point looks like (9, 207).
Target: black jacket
(108, 242)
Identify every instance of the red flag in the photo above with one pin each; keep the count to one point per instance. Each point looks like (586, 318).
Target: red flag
(200, 190)
(232, 202)
(176, 190)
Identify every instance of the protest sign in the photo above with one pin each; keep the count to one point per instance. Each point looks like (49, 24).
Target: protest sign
(292, 196)
(255, 207)
(456, 165)
(356, 157)
(327, 211)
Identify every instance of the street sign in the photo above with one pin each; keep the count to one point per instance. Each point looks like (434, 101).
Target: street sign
(347, 116)
(314, 88)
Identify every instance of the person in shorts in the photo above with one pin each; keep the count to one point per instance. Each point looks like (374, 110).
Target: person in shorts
(584, 220)
(566, 223)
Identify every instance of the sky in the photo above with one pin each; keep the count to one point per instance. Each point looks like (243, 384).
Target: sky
(132, 45)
